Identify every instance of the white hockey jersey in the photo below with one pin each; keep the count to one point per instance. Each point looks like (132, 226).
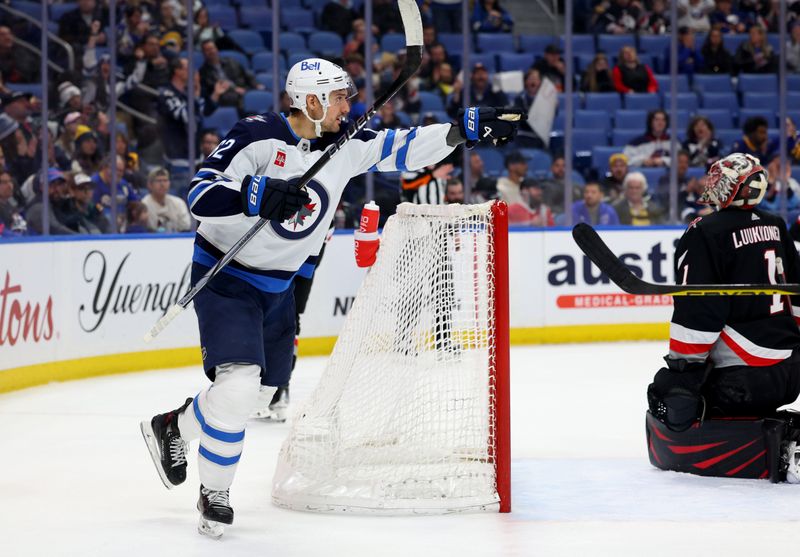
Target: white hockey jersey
(266, 145)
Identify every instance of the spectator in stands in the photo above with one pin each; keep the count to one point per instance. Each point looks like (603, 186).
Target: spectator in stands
(756, 55)
(526, 137)
(657, 21)
(87, 155)
(88, 215)
(693, 14)
(157, 70)
(167, 20)
(652, 148)
(102, 182)
(338, 17)
(429, 37)
(661, 192)
(166, 212)
(690, 59)
(75, 26)
(489, 17)
(444, 77)
(18, 153)
(97, 77)
(793, 48)
(755, 140)
(59, 206)
(453, 191)
(552, 66)
(19, 106)
(66, 137)
(209, 139)
(446, 15)
(228, 71)
(716, 57)
(553, 185)
(591, 209)
(17, 64)
(621, 17)
(634, 208)
(612, 182)
(386, 118)
(597, 77)
(173, 109)
(133, 173)
(481, 92)
(631, 76)
(435, 57)
(10, 217)
(703, 148)
(386, 16)
(530, 210)
(205, 30)
(69, 98)
(689, 205)
(131, 32)
(508, 186)
(772, 199)
(136, 218)
(476, 175)
(725, 19)
(356, 43)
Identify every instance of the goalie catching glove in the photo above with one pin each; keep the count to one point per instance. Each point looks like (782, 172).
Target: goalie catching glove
(483, 123)
(271, 198)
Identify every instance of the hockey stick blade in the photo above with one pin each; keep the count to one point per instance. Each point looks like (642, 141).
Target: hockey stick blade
(412, 26)
(598, 252)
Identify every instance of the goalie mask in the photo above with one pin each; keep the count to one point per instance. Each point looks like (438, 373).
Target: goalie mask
(315, 76)
(738, 180)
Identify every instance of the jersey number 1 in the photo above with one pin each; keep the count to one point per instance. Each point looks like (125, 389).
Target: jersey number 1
(772, 274)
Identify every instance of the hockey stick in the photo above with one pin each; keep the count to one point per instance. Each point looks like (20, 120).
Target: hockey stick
(412, 24)
(595, 249)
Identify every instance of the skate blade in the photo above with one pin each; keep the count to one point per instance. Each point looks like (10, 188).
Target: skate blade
(152, 446)
(210, 528)
(277, 416)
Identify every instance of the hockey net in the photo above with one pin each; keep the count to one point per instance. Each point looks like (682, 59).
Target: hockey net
(411, 413)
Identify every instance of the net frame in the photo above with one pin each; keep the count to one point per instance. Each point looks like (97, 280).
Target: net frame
(289, 484)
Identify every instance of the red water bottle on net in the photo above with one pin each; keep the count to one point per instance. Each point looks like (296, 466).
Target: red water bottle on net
(366, 237)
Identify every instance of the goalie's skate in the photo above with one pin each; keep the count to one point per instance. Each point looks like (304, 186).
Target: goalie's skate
(166, 446)
(278, 408)
(791, 456)
(215, 512)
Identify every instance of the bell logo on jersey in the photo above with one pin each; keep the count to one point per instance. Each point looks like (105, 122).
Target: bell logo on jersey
(306, 66)
(280, 158)
(307, 219)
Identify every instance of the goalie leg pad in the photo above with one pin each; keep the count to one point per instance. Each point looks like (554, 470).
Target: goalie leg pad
(729, 448)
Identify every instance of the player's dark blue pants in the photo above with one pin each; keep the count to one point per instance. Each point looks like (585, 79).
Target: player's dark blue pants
(242, 324)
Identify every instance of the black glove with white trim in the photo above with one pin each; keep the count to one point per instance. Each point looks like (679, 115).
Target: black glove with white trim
(482, 123)
(271, 198)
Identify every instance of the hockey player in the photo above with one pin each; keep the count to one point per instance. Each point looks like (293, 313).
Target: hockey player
(733, 361)
(246, 313)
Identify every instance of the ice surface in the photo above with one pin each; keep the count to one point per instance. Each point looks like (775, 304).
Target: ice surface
(76, 478)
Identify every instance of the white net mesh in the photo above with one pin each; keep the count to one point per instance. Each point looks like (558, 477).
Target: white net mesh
(402, 419)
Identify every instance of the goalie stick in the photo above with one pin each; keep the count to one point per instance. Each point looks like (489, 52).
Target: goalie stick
(412, 25)
(595, 249)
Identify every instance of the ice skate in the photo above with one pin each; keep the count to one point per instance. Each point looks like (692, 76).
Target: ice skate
(791, 456)
(277, 410)
(215, 512)
(167, 447)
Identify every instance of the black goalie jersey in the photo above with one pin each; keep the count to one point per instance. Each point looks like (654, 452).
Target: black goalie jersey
(736, 246)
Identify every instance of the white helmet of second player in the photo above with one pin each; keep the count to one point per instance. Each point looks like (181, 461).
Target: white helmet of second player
(315, 76)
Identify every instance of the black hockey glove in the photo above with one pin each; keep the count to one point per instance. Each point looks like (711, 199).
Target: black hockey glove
(271, 198)
(675, 395)
(483, 123)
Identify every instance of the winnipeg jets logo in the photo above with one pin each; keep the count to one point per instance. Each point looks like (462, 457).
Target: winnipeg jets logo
(303, 223)
(255, 118)
(280, 158)
(300, 216)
